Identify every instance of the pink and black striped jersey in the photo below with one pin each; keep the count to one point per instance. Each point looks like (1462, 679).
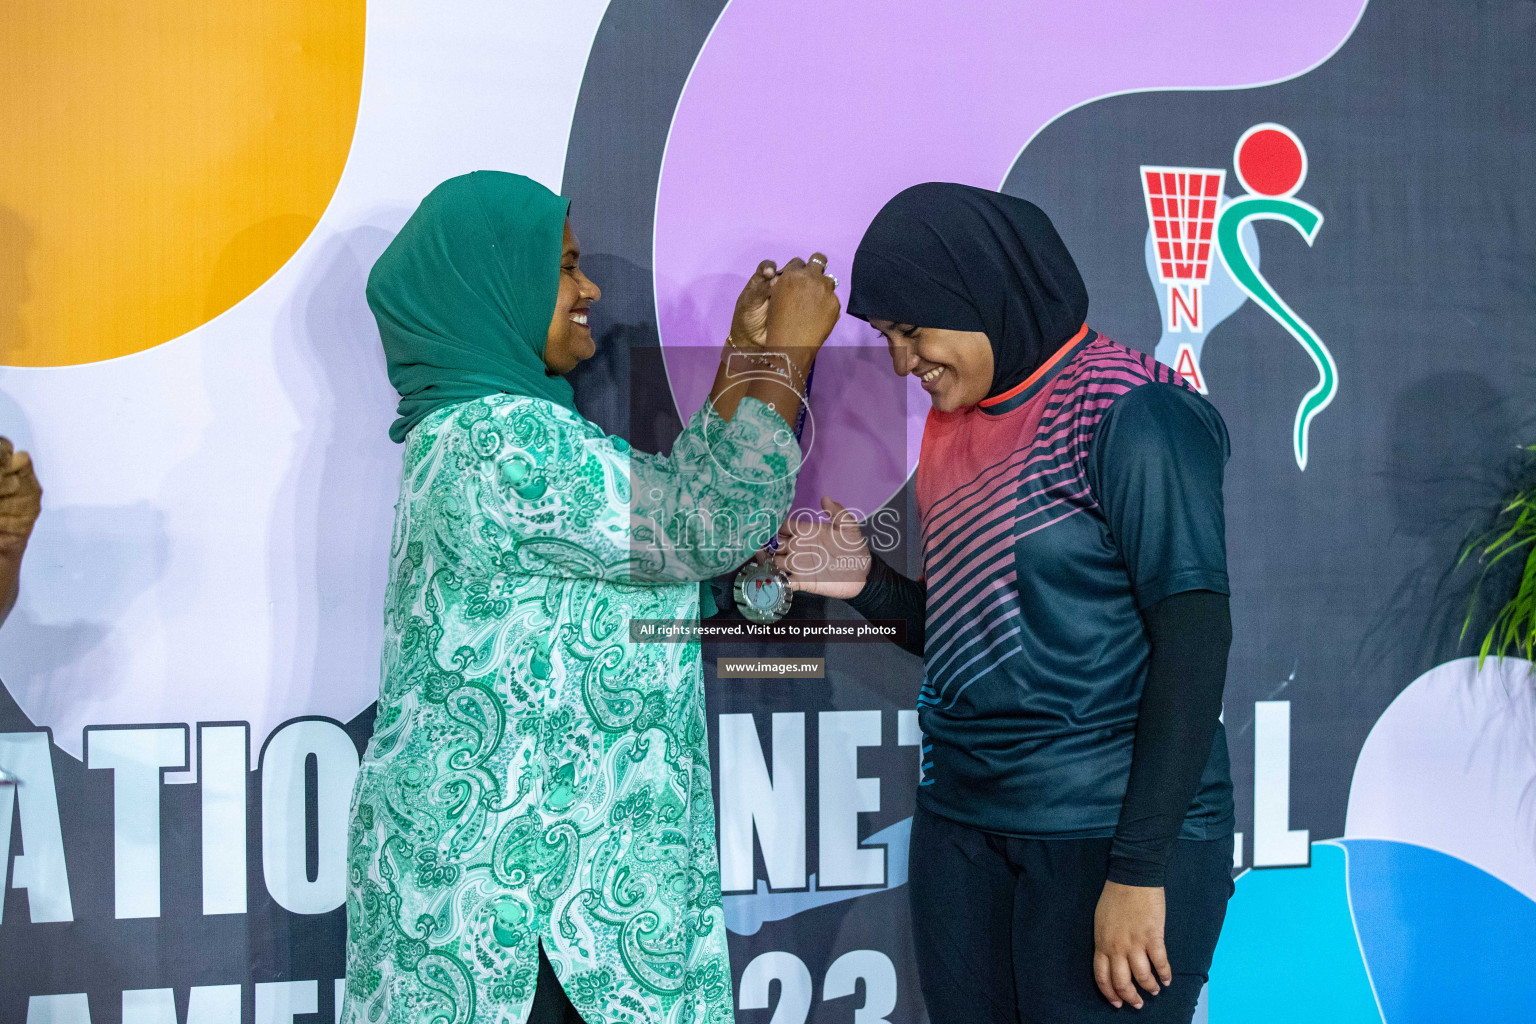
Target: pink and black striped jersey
(1050, 516)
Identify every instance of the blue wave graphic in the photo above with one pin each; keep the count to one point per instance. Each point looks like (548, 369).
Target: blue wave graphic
(1441, 936)
(1288, 953)
(1373, 931)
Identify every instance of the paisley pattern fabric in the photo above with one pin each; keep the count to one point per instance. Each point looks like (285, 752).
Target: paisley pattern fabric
(535, 777)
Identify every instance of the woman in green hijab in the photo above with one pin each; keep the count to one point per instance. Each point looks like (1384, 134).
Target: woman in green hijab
(536, 781)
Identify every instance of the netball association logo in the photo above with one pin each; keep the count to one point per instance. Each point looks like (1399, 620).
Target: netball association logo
(1203, 255)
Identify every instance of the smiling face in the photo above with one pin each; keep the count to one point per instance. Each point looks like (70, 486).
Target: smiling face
(955, 367)
(570, 338)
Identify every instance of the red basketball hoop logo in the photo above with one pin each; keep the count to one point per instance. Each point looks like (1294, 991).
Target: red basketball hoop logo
(1182, 203)
(1191, 222)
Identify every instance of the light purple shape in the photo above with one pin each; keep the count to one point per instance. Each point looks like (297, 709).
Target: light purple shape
(801, 118)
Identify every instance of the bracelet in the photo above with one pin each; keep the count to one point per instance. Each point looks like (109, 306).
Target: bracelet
(762, 361)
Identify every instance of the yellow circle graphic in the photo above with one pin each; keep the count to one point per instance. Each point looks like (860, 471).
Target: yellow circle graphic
(162, 159)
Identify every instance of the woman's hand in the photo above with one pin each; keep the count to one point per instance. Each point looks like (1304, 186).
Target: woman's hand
(21, 499)
(749, 324)
(831, 558)
(803, 307)
(788, 314)
(1128, 943)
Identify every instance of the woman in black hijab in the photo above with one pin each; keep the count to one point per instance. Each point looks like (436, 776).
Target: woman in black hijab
(1075, 805)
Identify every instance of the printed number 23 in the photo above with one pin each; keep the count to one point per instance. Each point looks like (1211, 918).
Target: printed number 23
(795, 986)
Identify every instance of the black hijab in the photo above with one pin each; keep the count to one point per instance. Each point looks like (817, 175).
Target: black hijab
(961, 258)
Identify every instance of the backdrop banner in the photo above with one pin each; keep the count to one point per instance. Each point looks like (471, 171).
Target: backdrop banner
(1319, 212)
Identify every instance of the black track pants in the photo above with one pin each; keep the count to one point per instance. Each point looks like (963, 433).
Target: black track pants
(1003, 927)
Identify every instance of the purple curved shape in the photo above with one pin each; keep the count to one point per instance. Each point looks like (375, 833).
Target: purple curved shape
(802, 118)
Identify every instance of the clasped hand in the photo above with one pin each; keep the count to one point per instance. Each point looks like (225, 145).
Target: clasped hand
(20, 500)
(789, 307)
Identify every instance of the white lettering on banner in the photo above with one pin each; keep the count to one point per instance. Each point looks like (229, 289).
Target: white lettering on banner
(207, 1004)
(40, 870)
(223, 761)
(1275, 843)
(795, 987)
(795, 991)
(278, 1002)
(1237, 837)
(74, 1008)
(910, 734)
(137, 759)
(772, 808)
(841, 861)
(753, 802)
(283, 834)
(879, 976)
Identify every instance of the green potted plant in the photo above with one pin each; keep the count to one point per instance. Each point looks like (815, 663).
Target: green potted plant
(1510, 541)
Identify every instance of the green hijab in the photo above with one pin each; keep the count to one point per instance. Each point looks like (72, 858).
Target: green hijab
(464, 295)
(465, 292)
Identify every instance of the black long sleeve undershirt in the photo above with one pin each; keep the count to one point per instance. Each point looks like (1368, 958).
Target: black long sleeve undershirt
(887, 594)
(1191, 633)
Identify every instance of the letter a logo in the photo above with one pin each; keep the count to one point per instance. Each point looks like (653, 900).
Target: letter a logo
(1186, 365)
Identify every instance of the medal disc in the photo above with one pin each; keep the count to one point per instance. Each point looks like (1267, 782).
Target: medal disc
(762, 592)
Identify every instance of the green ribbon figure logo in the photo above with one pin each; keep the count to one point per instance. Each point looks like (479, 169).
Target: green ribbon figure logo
(1271, 164)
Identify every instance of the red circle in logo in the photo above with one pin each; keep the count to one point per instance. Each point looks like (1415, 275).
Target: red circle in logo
(1270, 162)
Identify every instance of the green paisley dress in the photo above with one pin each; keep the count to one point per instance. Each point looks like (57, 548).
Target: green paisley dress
(535, 777)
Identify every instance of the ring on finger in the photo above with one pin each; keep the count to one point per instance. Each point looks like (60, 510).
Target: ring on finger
(833, 279)
(820, 261)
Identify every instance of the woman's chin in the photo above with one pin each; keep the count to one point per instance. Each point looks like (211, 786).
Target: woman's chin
(572, 352)
(952, 396)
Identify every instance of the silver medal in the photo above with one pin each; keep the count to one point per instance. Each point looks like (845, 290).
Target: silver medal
(762, 592)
